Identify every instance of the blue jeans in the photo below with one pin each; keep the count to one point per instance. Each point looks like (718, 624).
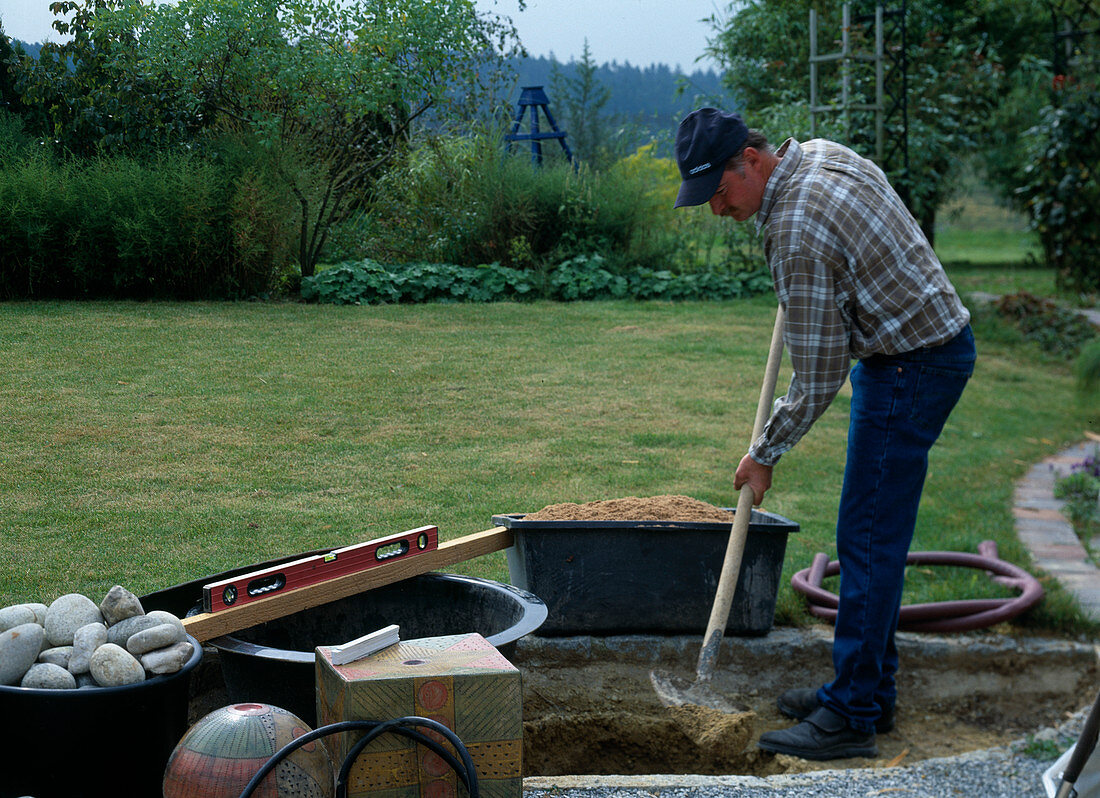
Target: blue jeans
(899, 406)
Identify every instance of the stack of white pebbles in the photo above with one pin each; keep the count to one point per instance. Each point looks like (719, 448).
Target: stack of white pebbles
(75, 643)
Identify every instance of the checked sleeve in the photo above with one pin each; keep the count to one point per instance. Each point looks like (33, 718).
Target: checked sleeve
(817, 342)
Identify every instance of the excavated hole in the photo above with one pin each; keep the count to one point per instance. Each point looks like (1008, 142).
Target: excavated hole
(589, 706)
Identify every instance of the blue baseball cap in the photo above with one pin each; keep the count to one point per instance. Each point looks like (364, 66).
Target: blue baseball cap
(705, 140)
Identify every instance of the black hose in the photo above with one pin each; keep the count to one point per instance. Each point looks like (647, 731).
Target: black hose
(453, 763)
(465, 769)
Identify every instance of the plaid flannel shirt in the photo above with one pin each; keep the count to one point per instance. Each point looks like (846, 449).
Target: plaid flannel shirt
(855, 274)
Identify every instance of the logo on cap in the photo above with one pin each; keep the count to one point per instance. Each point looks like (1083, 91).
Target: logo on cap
(699, 168)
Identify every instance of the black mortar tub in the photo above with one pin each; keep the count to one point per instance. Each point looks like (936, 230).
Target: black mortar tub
(65, 743)
(645, 577)
(273, 662)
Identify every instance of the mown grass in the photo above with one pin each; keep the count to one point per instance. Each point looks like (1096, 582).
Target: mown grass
(149, 444)
(976, 231)
(1000, 278)
(1002, 247)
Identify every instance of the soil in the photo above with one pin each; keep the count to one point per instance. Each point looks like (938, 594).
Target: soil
(655, 508)
(616, 730)
(588, 713)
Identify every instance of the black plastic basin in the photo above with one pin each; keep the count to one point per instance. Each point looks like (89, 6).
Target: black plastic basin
(64, 742)
(273, 662)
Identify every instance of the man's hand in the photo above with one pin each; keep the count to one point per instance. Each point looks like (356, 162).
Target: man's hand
(758, 477)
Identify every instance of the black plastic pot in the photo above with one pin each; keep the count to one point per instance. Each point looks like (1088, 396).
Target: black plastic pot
(65, 743)
(273, 662)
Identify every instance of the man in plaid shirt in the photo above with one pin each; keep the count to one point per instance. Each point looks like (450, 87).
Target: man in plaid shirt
(858, 280)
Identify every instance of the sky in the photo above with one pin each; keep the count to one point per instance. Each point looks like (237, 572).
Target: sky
(641, 32)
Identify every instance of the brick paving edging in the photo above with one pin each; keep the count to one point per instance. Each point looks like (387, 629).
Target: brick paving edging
(1049, 537)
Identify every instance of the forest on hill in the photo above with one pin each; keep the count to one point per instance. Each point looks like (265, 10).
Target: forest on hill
(654, 91)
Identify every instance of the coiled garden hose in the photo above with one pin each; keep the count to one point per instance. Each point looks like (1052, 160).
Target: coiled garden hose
(961, 615)
(463, 765)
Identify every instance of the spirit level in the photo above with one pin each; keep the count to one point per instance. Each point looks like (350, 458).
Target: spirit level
(307, 571)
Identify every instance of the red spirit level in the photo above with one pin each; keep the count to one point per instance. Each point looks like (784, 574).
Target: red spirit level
(317, 568)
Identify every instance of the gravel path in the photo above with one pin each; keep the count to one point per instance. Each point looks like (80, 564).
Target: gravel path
(996, 773)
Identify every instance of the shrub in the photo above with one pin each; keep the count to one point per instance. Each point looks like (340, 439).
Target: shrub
(685, 239)
(1080, 490)
(581, 278)
(262, 229)
(173, 226)
(368, 282)
(152, 228)
(1087, 370)
(1054, 329)
(1062, 191)
(465, 201)
(14, 140)
(35, 198)
(584, 277)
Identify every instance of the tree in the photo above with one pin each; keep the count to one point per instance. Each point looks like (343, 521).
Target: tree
(1060, 189)
(90, 94)
(961, 57)
(9, 96)
(329, 91)
(581, 99)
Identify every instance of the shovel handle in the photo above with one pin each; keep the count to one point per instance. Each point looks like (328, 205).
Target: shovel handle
(1086, 744)
(731, 565)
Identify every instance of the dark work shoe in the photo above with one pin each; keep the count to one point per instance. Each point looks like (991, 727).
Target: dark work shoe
(822, 735)
(801, 701)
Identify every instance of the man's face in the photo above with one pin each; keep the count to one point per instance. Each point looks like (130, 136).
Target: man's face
(740, 191)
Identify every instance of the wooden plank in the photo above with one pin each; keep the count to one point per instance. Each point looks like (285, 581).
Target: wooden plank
(207, 625)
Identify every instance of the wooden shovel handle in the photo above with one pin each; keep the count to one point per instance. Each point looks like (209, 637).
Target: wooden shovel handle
(731, 565)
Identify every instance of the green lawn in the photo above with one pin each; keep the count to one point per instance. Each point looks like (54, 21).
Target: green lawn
(149, 444)
(987, 247)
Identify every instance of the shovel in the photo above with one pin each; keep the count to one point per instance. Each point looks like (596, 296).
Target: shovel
(671, 690)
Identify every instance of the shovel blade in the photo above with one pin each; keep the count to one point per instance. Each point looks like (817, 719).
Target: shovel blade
(675, 691)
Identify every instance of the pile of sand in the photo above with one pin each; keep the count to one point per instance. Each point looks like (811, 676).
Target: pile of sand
(656, 508)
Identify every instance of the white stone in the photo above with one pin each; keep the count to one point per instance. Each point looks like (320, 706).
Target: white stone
(67, 614)
(151, 639)
(160, 616)
(120, 604)
(16, 615)
(125, 629)
(168, 660)
(59, 655)
(113, 666)
(40, 611)
(47, 676)
(19, 649)
(86, 640)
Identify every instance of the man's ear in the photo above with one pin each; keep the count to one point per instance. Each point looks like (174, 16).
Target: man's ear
(750, 157)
